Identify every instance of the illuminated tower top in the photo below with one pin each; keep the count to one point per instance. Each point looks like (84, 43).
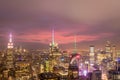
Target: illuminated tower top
(53, 44)
(10, 38)
(10, 43)
(54, 49)
(53, 39)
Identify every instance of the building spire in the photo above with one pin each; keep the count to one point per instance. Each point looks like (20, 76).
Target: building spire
(10, 43)
(75, 44)
(53, 35)
(10, 38)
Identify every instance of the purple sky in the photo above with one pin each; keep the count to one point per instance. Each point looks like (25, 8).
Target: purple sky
(31, 22)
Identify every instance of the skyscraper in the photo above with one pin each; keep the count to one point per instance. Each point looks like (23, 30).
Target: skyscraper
(10, 53)
(114, 54)
(108, 50)
(75, 46)
(54, 52)
(10, 43)
(108, 46)
(53, 44)
(92, 54)
(91, 57)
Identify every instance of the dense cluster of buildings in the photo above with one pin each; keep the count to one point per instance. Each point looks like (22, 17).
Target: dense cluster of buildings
(17, 63)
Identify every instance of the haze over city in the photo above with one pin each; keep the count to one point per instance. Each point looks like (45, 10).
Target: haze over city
(31, 22)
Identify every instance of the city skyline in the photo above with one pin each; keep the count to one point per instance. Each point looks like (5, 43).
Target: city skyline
(31, 23)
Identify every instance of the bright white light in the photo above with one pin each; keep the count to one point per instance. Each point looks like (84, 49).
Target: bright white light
(80, 72)
(91, 64)
(86, 62)
(85, 72)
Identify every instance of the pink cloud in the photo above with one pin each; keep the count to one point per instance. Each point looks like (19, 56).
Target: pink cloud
(45, 37)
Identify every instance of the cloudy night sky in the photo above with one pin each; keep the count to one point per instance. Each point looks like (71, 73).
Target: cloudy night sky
(31, 22)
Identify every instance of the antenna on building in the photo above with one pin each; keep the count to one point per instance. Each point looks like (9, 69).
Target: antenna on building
(10, 38)
(75, 44)
(53, 35)
(10, 43)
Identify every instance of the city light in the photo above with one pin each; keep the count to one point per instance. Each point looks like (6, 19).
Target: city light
(84, 72)
(55, 61)
(77, 56)
(88, 33)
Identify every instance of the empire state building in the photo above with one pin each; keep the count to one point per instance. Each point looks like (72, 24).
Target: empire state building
(10, 43)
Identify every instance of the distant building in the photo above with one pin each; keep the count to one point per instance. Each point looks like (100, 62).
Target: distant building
(91, 58)
(54, 53)
(92, 54)
(114, 53)
(9, 55)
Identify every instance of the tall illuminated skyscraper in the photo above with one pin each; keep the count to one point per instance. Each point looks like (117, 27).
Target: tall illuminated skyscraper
(108, 49)
(114, 54)
(53, 44)
(92, 54)
(10, 43)
(91, 57)
(9, 56)
(54, 52)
